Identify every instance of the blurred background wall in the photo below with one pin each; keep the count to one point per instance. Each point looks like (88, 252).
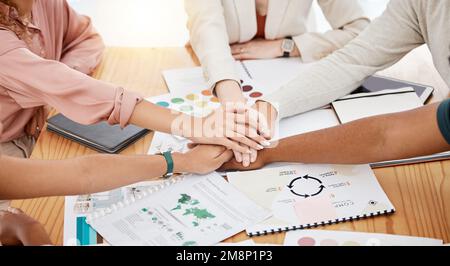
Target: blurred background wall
(143, 23)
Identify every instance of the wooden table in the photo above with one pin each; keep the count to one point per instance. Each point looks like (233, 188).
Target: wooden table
(420, 193)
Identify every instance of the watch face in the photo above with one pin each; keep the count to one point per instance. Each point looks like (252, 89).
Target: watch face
(288, 45)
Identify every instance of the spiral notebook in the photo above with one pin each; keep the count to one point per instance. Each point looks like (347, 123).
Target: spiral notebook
(306, 196)
(183, 211)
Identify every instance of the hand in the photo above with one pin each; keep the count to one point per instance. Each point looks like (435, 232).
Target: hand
(257, 49)
(234, 165)
(37, 122)
(236, 131)
(230, 94)
(201, 159)
(265, 115)
(268, 112)
(16, 228)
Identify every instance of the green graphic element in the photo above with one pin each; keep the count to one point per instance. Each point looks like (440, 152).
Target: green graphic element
(198, 213)
(178, 207)
(177, 101)
(188, 204)
(184, 199)
(189, 243)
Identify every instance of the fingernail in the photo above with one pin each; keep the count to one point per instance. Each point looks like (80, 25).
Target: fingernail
(265, 143)
(259, 147)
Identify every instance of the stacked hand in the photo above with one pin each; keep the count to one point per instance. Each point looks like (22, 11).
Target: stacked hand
(201, 159)
(243, 129)
(234, 126)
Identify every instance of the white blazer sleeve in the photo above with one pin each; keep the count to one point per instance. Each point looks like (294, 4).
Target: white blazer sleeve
(347, 20)
(209, 39)
(382, 44)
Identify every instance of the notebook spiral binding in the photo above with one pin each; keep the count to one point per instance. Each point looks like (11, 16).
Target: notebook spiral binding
(323, 223)
(246, 69)
(130, 200)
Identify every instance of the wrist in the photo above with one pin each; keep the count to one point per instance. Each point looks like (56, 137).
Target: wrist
(266, 156)
(180, 163)
(279, 47)
(271, 154)
(229, 91)
(266, 108)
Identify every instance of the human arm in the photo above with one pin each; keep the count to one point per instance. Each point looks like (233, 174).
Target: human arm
(210, 41)
(388, 137)
(347, 20)
(382, 44)
(26, 178)
(33, 81)
(82, 46)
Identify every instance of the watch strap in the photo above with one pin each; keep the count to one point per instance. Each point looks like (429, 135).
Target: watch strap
(169, 160)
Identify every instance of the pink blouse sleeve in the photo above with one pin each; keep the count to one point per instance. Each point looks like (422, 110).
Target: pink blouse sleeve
(32, 81)
(82, 45)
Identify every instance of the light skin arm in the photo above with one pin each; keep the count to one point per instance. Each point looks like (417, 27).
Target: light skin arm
(261, 49)
(388, 137)
(25, 178)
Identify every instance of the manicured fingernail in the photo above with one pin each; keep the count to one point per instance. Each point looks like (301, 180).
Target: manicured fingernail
(265, 143)
(259, 147)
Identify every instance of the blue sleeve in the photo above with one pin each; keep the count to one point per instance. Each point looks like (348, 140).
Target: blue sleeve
(443, 118)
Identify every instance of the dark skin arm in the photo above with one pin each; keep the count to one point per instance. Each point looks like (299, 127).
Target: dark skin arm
(387, 137)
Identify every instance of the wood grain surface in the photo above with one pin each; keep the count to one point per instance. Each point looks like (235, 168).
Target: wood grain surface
(420, 193)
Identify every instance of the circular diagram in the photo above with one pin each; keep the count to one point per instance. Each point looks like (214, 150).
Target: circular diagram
(306, 186)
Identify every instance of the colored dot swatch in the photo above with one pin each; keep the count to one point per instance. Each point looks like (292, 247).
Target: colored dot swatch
(306, 242)
(247, 88)
(186, 108)
(256, 94)
(202, 104)
(215, 100)
(206, 93)
(163, 104)
(192, 97)
(351, 244)
(177, 101)
(329, 243)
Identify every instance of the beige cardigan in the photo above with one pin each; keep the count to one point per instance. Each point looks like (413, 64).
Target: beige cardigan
(405, 25)
(214, 24)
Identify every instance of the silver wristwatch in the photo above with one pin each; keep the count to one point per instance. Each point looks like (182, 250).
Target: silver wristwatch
(287, 46)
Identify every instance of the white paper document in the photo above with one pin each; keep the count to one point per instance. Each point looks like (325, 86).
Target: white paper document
(303, 196)
(362, 105)
(198, 210)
